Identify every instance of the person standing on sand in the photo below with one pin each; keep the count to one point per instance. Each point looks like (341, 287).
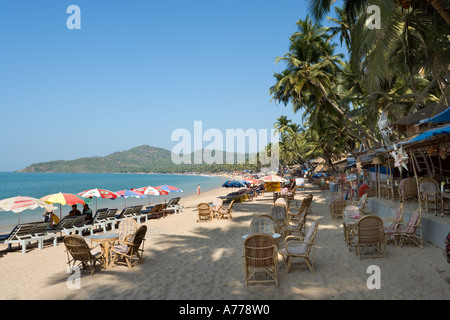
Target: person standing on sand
(198, 190)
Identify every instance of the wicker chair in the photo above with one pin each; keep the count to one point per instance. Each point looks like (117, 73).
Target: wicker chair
(300, 247)
(410, 231)
(223, 213)
(78, 251)
(429, 193)
(262, 224)
(204, 212)
(394, 223)
(407, 189)
(370, 235)
(338, 208)
(305, 205)
(361, 204)
(217, 205)
(279, 214)
(126, 229)
(260, 256)
(295, 225)
(127, 250)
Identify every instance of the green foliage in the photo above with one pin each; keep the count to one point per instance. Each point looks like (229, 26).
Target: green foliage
(142, 159)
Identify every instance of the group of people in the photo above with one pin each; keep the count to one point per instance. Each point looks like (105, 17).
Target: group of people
(74, 212)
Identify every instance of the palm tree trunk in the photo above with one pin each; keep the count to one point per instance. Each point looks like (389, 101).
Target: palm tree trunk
(440, 9)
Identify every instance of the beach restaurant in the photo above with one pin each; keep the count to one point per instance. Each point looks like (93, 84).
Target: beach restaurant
(414, 171)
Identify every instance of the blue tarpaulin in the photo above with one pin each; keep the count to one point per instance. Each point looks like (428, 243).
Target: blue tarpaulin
(442, 117)
(431, 133)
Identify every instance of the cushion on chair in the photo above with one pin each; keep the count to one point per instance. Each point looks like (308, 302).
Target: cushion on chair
(121, 248)
(296, 250)
(310, 232)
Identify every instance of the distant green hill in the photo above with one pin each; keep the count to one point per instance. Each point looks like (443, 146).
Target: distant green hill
(143, 159)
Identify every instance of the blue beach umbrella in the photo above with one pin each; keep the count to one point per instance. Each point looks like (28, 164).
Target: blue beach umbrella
(235, 184)
(128, 193)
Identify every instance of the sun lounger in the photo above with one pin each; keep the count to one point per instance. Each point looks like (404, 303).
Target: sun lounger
(155, 212)
(100, 220)
(111, 218)
(41, 234)
(79, 225)
(135, 213)
(122, 214)
(174, 204)
(24, 234)
(63, 225)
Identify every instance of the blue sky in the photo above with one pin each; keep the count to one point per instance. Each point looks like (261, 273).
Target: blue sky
(135, 72)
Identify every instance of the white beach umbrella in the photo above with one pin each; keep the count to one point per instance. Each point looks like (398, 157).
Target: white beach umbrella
(19, 204)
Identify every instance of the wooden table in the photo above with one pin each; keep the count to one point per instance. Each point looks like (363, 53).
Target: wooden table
(105, 241)
(275, 236)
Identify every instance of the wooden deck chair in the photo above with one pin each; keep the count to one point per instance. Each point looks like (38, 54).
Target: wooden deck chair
(204, 212)
(225, 213)
(126, 251)
(300, 248)
(155, 212)
(369, 239)
(217, 205)
(260, 259)
(79, 252)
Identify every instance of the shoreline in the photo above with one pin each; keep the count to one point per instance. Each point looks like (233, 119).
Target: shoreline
(37, 217)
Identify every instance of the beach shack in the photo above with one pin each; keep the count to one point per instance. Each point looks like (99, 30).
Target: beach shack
(417, 171)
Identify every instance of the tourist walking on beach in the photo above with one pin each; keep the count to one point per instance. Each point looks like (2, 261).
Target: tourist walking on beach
(198, 190)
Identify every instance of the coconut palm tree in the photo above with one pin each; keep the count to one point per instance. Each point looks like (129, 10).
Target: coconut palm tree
(311, 69)
(353, 8)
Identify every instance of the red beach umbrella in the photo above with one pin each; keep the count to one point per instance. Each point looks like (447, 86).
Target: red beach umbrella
(169, 188)
(63, 199)
(252, 181)
(151, 191)
(97, 193)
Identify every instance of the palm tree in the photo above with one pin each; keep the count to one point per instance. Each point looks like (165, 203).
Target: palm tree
(311, 70)
(343, 27)
(353, 8)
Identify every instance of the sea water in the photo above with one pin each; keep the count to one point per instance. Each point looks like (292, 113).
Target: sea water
(38, 185)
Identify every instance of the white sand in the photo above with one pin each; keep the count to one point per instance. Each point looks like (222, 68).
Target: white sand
(184, 259)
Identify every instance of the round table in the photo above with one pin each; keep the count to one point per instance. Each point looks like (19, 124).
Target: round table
(275, 236)
(105, 240)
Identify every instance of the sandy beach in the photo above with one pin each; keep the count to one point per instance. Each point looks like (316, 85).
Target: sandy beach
(187, 260)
